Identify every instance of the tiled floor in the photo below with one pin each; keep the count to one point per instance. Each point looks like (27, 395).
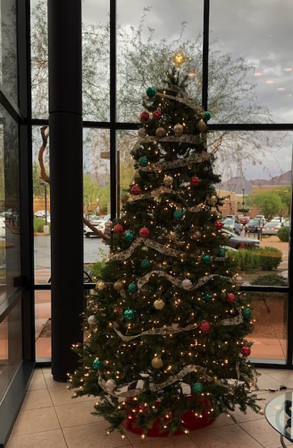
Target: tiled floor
(50, 418)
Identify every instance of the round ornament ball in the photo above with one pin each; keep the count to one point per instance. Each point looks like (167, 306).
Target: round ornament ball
(97, 364)
(118, 286)
(125, 198)
(142, 132)
(197, 388)
(237, 279)
(218, 225)
(144, 232)
(143, 161)
(207, 296)
(246, 312)
(221, 253)
(207, 116)
(168, 181)
(204, 326)
(157, 114)
(132, 287)
(110, 385)
(201, 126)
(230, 298)
(92, 320)
(213, 200)
(128, 314)
(205, 259)
(129, 236)
(145, 264)
(135, 190)
(151, 91)
(144, 116)
(245, 351)
(178, 130)
(196, 235)
(186, 283)
(161, 132)
(178, 214)
(159, 304)
(157, 362)
(194, 181)
(118, 229)
(101, 285)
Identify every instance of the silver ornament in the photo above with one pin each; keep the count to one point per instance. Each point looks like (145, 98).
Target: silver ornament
(186, 283)
(110, 385)
(92, 320)
(142, 132)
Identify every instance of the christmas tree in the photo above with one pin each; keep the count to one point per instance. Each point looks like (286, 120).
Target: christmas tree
(166, 326)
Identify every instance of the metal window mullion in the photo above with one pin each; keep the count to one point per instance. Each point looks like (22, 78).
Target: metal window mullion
(113, 151)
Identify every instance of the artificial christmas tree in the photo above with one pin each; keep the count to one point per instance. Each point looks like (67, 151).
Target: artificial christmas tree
(167, 324)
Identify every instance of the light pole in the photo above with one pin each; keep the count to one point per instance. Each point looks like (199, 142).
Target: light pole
(45, 185)
(243, 202)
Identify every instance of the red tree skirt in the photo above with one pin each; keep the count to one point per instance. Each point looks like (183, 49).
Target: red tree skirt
(191, 422)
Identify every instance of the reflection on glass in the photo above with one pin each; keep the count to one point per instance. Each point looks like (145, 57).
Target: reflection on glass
(270, 326)
(250, 77)
(43, 323)
(147, 39)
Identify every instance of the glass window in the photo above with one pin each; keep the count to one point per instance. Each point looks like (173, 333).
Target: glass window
(149, 34)
(250, 64)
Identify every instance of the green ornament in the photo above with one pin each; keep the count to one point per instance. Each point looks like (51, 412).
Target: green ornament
(129, 314)
(246, 312)
(145, 263)
(132, 287)
(207, 116)
(221, 253)
(143, 161)
(206, 297)
(206, 259)
(178, 214)
(151, 91)
(129, 236)
(97, 364)
(197, 388)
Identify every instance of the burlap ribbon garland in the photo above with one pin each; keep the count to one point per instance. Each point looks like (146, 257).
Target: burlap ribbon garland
(194, 158)
(149, 243)
(154, 331)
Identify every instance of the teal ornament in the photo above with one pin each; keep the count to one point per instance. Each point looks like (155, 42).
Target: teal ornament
(105, 267)
(221, 253)
(132, 287)
(97, 364)
(207, 297)
(178, 214)
(246, 312)
(143, 161)
(207, 116)
(206, 259)
(151, 91)
(129, 314)
(145, 263)
(129, 236)
(197, 388)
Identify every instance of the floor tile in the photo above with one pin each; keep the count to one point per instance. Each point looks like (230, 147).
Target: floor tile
(166, 442)
(77, 413)
(34, 421)
(262, 431)
(46, 439)
(227, 437)
(63, 395)
(36, 399)
(37, 382)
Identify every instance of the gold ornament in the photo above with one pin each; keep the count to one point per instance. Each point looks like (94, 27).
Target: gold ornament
(178, 129)
(196, 235)
(159, 304)
(157, 362)
(142, 132)
(161, 132)
(168, 181)
(118, 286)
(101, 285)
(213, 200)
(201, 126)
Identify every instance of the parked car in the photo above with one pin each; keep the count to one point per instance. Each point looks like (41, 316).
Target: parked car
(99, 223)
(244, 220)
(253, 225)
(278, 219)
(108, 225)
(287, 223)
(240, 242)
(40, 214)
(2, 227)
(271, 228)
(233, 224)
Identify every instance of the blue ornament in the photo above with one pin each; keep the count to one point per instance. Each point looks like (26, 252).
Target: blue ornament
(129, 236)
(207, 116)
(129, 314)
(206, 297)
(132, 287)
(151, 91)
(197, 388)
(178, 214)
(145, 263)
(206, 259)
(97, 364)
(143, 161)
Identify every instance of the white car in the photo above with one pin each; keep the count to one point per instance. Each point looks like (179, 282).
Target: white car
(99, 223)
(2, 227)
(40, 214)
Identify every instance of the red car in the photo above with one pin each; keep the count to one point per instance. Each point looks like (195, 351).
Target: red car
(244, 219)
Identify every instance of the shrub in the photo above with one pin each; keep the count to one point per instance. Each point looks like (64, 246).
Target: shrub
(39, 225)
(270, 280)
(269, 258)
(244, 259)
(283, 234)
(96, 270)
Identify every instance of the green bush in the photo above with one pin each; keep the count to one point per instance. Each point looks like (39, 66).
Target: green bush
(269, 258)
(283, 234)
(96, 269)
(270, 280)
(39, 225)
(244, 259)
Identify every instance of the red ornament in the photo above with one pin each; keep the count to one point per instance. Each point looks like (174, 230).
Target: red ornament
(135, 190)
(157, 114)
(245, 351)
(144, 232)
(144, 116)
(205, 326)
(218, 225)
(118, 229)
(230, 297)
(194, 181)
